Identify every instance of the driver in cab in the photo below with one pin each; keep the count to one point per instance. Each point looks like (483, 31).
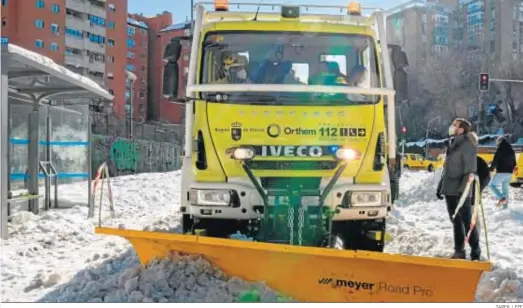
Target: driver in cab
(233, 70)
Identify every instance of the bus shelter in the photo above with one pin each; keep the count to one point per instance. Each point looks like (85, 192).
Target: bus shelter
(45, 128)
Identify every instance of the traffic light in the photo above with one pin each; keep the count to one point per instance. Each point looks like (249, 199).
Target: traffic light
(484, 82)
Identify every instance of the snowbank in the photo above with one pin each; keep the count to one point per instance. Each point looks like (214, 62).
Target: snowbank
(56, 257)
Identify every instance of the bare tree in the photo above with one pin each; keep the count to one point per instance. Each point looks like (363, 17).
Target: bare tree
(450, 80)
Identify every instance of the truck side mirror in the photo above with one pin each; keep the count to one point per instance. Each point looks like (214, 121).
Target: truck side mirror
(399, 62)
(171, 70)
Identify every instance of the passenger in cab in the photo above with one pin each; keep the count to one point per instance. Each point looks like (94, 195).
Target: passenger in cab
(356, 75)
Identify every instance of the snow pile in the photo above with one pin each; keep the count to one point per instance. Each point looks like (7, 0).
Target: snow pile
(177, 279)
(56, 257)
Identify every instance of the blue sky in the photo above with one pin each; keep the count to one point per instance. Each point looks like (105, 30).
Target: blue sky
(181, 8)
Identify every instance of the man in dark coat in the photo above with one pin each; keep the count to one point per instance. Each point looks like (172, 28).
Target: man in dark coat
(504, 163)
(460, 164)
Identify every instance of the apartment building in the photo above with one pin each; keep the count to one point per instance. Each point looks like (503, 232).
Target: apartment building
(87, 36)
(137, 62)
(489, 30)
(421, 28)
(492, 28)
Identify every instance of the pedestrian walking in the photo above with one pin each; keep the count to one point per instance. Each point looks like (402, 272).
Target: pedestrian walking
(460, 165)
(503, 164)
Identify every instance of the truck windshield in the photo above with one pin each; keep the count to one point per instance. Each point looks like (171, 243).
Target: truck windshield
(239, 57)
(331, 59)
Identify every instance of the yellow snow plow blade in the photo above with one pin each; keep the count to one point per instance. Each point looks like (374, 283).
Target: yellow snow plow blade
(321, 274)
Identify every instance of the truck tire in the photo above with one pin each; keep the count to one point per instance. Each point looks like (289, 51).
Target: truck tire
(430, 168)
(187, 224)
(353, 233)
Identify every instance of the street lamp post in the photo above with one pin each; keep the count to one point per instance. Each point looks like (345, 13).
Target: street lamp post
(427, 135)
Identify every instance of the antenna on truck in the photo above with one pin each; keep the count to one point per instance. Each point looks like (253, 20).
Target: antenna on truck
(257, 11)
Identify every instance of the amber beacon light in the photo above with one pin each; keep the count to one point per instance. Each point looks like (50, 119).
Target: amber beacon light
(354, 9)
(221, 5)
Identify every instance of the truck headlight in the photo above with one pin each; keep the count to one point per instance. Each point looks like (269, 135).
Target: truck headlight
(208, 197)
(366, 199)
(242, 153)
(347, 154)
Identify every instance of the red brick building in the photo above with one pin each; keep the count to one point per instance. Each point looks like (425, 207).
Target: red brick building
(88, 36)
(161, 30)
(137, 62)
(99, 39)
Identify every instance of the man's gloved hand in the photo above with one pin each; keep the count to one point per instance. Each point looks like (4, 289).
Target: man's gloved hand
(439, 195)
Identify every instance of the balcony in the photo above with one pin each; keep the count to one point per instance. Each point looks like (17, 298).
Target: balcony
(77, 5)
(97, 47)
(75, 60)
(94, 29)
(96, 10)
(75, 42)
(95, 66)
(75, 22)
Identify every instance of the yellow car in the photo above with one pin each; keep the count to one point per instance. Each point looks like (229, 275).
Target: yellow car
(418, 162)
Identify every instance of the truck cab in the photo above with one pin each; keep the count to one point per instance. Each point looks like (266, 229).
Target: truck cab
(287, 137)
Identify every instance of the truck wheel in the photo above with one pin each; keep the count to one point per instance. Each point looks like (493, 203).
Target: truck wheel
(187, 224)
(354, 233)
(430, 168)
(406, 166)
(394, 190)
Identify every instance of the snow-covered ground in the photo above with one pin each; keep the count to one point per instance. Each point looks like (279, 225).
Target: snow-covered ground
(57, 257)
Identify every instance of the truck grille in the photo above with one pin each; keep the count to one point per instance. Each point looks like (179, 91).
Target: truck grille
(292, 165)
(305, 183)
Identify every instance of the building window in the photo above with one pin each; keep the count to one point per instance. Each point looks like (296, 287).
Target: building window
(40, 4)
(39, 44)
(39, 23)
(95, 20)
(143, 68)
(4, 2)
(96, 38)
(142, 94)
(110, 59)
(131, 30)
(74, 32)
(53, 47)
(110, 24)
(130, 67)
(55, 28)
(110, 42)
(142, 56)
(112, 8)
(55, 8)
(144, 32)
(131, 43)
(130, 55)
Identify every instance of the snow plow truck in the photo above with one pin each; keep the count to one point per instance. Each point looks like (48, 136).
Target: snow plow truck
(290, 146)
